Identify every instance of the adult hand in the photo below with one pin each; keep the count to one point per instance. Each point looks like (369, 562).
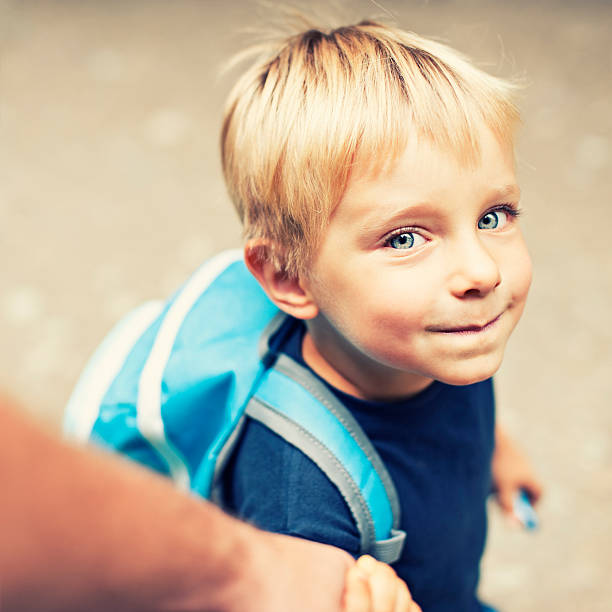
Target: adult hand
(282, 573)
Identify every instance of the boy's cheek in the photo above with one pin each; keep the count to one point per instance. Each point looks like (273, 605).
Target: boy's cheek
(520, 271)
(527, 273)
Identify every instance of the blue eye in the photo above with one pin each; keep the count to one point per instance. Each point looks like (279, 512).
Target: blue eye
(495, 219)
(402, 241)
(405, 240)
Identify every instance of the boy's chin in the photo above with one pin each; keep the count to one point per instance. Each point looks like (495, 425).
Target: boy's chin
(469, 372)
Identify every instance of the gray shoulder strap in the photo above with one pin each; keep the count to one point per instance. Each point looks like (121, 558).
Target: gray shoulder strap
(296, 405)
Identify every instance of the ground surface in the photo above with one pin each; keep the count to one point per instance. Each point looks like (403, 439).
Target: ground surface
(110, 193)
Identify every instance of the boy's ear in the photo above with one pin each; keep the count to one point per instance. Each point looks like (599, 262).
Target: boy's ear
(287, 292)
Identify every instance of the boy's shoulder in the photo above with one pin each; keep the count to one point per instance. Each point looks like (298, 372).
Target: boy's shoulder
(274, 485)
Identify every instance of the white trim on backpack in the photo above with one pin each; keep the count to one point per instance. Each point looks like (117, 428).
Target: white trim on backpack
(83, 406)
(148, 408)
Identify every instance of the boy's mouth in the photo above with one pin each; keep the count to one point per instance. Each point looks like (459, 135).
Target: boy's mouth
(466, 329)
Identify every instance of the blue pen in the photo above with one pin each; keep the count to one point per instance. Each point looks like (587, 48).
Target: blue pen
(524, 512)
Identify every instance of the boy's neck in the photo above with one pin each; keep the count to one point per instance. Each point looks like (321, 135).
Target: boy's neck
(355, 375)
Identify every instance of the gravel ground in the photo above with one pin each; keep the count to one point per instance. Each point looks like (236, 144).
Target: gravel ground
(111, 193)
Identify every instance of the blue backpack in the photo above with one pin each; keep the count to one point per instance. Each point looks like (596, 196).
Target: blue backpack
(173, 384)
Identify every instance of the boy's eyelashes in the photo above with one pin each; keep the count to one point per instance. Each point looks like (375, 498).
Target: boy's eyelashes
(497, 217)
(511, 209)
(405, 238)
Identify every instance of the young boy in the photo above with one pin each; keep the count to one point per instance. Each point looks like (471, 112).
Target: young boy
(373, 171)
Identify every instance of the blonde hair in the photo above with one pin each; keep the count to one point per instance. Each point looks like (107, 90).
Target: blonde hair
(319, 102)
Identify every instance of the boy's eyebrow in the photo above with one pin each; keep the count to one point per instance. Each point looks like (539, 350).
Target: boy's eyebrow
(376, 222)
(509, 190)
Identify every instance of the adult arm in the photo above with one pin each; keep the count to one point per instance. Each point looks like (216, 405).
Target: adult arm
(84, 531)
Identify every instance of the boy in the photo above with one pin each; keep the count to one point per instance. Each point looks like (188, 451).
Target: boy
(373, 171)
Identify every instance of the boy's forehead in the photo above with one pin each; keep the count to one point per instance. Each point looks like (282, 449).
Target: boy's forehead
(374, 162)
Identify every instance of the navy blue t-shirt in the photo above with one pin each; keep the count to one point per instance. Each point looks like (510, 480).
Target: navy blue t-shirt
(437, 447)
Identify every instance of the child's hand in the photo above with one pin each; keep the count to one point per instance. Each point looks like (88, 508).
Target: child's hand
(372, 586)
(512, 472)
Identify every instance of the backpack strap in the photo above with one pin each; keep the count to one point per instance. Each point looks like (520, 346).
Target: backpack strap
(297, 406)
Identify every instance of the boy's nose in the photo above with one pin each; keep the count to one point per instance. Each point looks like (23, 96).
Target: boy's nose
(475, 271)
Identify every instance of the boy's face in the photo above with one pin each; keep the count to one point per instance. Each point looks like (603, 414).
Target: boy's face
(422, 273)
